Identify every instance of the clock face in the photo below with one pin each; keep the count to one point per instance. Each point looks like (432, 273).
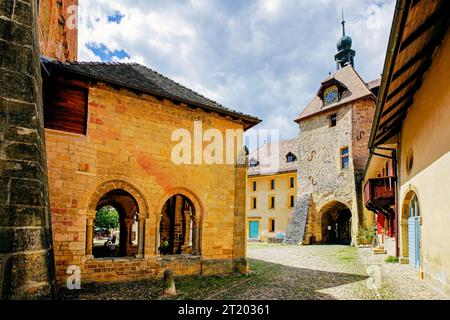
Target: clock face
(331, 95)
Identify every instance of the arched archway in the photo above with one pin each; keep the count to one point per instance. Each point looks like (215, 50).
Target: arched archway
(131, 209)
(410, 229)
(336, 220)
(122, 231)
(180, 223)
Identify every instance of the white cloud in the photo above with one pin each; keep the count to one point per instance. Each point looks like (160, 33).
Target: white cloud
(262, 57)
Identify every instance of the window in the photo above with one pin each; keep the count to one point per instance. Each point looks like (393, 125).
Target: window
(65, 107)
(333, 120)
(272, 203)
(253, 203)
(292, 201)
(345, 161)
(272, 184)
(271, 225)
(291, 182)
(254, 185)
(291, 157)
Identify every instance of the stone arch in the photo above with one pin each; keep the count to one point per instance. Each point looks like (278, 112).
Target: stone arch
(108, 193)
(335, 222)
(197, 218)
(404, 238)
(112, 185)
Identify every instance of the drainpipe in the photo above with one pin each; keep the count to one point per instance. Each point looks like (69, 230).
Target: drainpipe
(393, 157)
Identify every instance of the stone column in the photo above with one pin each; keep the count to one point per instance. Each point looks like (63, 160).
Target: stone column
(196, 250)
(128, 226)
(89, 237)
(140, 253)
(239, 237)
(187, 227)
(27, 267)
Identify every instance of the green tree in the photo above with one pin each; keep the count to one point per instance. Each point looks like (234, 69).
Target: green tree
(107, 218)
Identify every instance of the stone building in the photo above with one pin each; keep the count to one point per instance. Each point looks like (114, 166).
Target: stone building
(26, 253)
(334, 130)
(411, 132)
(109, 141)
(271, 193)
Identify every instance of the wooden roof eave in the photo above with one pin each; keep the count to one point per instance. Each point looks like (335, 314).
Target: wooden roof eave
(400, 16)
(433, 27)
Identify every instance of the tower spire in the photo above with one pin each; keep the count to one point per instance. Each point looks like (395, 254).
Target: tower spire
(345, 55)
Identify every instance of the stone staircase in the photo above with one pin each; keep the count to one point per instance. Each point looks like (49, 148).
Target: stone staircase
(296, 229)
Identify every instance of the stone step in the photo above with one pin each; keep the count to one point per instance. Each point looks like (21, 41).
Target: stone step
(296, 229)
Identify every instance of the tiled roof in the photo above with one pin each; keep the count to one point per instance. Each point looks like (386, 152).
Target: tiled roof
(262, 155)
(356, 88)
(374, 83)
(141, 78)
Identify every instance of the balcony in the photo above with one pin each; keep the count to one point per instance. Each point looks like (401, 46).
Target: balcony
(379, 195)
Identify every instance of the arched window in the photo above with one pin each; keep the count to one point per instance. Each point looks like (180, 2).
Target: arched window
(116, 225)
(180, 227)
(290, 157)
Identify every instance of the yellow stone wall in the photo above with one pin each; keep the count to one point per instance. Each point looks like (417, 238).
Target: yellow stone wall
(426, 135)
(128, 145)
(282, 212)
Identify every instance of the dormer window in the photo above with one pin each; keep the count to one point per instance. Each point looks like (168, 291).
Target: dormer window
(331, 95)
(253, 163)
(291, 157)
(331, 91)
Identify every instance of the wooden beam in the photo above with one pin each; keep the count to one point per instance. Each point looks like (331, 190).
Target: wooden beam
(427, 24)
(395, 120)
(395, 115)
(388, 134)
(408, 94)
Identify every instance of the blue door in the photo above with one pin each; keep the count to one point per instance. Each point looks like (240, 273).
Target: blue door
(254, 229)
(414, 233)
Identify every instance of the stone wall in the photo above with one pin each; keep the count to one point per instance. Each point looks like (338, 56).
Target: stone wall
(320, 172)
(58, 25)
(128, 146)
(26, 255)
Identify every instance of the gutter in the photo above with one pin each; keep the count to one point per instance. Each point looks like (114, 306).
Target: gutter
(400, 14)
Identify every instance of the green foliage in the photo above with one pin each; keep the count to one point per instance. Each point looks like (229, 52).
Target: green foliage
(391, 259)
(365, 236)
(107, 218)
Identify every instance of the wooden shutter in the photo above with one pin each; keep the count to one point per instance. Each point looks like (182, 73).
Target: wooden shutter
(65, 107)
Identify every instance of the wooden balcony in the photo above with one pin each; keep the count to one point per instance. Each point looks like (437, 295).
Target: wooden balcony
(379, 194)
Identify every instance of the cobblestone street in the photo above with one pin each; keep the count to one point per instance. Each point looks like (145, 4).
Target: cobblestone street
(340, 272)
(286, 272)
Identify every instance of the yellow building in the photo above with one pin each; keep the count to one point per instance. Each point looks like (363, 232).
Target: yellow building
(271, 193)
(411, 126)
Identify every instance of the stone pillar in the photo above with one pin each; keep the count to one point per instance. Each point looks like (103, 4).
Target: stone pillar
(27, 267)
(140, 239)
(89, 236)
(239, 237)
(196, 241)
(187, 227)
(128, 230)
(178, 225)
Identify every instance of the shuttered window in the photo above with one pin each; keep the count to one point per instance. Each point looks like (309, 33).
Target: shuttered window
(65, 107)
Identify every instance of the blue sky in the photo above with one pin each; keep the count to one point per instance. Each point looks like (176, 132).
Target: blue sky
(262, 57)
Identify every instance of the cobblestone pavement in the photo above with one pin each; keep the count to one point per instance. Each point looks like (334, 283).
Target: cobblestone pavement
(285, 272)
(345, 272)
